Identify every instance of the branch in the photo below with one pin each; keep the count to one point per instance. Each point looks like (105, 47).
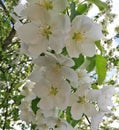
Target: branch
(12, 33)
(6, 11)
(87, 119)
(8, 40)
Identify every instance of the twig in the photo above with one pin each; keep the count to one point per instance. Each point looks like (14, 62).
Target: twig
(12, 33)
(6, 11)
(87, 119)
(8, 40)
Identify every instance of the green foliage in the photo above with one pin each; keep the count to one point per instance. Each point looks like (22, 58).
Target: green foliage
(101, 68)
(98, 45)
(69, 117)
(78, 62)
(101, 5)
(82, 8)
(34, 104)
(91, 63)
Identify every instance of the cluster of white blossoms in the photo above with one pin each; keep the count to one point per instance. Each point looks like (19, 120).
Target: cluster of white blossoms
(44, 34)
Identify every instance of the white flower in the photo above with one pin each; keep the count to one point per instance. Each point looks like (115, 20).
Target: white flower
(47, 34)
(80, 103)
(103, 97)
(82, 36)
(104, 100)
(26, 113)
(50, 5)
(57, 68)
(58, 124)
(40, 120)
(27, 91)
(52, 95)
(83, 77)
(42, 127)
(96, 119)
(50, 112)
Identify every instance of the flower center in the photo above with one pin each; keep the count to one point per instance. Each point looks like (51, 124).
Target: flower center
(53, 91)
(46, 4)
(46, 32)
(79, 75)
(57, 68)
(81, 99)
(77, 36)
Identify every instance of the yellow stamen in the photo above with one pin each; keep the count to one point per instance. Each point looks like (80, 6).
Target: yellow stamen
(77, 36)
(46, 4)
(57, 68)
(81, 99)
(47, 32)
(53, 91)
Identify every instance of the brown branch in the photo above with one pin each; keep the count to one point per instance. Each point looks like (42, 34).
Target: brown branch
(8, 40)
(87, 119)
(12, 33)
(7, 12)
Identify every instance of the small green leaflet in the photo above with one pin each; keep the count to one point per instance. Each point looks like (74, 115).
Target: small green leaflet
(34, 104)
(101, 68)
(101, 5)
(92, 62)
(82, 8)
(78, 62)
(98, 45)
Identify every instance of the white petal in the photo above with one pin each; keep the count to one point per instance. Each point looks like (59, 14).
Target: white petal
(96, 119)
(36, 49)
(36, 14)
(56, 41)
(46, 103)
(77, 111)
(28, 33)
(89, 109)
(41, 89)
(72, 48)
(71, 75)
(88, 48)
(66, 61)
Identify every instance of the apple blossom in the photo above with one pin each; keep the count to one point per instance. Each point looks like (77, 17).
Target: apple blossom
(83, 77)
(57, 68)
(27, 91)
(58, 124)
(43, 36)
(96, 119)
(102, 97)
(26, 113)
(82, 36)
(52, 95)
(80, 103)
(50, 5)
(104, 100)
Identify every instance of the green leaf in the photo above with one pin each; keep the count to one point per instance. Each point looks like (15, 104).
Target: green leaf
(64, 51)
(74, 12)
(101, 5)
(101, 68)
(34, 104)
(72, 6)
(78, 61)
(92, 62)
(68, 114)
(69, 117)
(82, 8)
(97, 43)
